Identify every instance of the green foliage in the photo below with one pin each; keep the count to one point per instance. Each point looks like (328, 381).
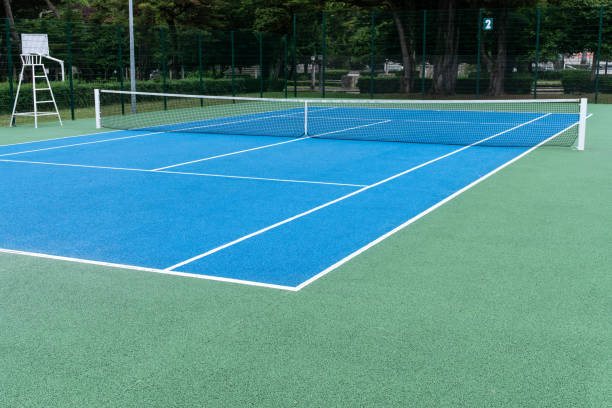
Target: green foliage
(570, 27)
(515, 84)
(83, 91)
(381, 85)
(581, 82)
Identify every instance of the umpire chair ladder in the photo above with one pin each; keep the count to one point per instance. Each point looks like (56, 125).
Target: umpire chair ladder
(34, 63)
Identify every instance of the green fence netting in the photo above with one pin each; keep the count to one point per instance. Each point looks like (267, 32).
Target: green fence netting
(547, 52)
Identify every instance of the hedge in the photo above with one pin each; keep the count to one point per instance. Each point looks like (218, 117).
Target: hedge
(333, 74)
(516, 84)
(83, 91)
(581, 82)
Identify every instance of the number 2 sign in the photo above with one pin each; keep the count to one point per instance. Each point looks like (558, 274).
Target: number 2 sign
(487, 24)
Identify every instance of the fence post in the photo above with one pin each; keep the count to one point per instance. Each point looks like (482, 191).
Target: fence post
(261, 84)
(9, 56)
(285, 64)
(163, 50)
(294, 56)
(372, 35)
(598, 52)
(69, 43)
(200, 65)
(537, 57)
(424, 53)
(120, 49)
(233, 64)
(478, 54)
(323, 56)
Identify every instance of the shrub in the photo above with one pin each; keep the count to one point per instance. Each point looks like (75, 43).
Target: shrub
(577, 82)
(83, 91)
(381, 85)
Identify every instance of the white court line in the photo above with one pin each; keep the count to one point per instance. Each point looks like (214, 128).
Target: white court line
(134, 136)
(352, 128)
(76, 144)
(66, 137)
(181, 173)
(423, 213)
(263, 147)
(229, 154)
(361, 190)
(141, 268)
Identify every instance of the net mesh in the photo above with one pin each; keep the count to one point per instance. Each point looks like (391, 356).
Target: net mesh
(487, 123)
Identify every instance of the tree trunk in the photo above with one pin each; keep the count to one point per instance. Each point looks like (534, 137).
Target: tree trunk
(497, 66)
(52, 8)
(446, 61)
(594, 67)
(9, 15)
(174, 63)
(406, 82)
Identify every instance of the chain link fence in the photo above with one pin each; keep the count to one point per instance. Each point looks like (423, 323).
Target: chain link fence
(422, 54)
(458, 54)
(168, 59)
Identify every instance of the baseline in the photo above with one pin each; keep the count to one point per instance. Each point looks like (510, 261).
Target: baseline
(144, 269)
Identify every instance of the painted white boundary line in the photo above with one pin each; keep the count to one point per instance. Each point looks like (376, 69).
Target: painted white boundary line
(361, 190)
(424, 213)
(141, 268)
(182, 173)
(125, 137)
(229, 154)
(78, 144)
(68, 137)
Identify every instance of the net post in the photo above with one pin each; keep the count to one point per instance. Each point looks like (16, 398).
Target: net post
(424, 52)
(537, 57)
(582, 124)
(294, 56)
(9, 65)
(69, 43)
(233, 63)
(261, 84)
(305, 118)
(97, 108)
(323, 56)
(478, 54)
(598, 52)
(120, 49)
(372, 34)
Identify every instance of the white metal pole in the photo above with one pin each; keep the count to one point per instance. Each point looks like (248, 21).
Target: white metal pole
(582, 124)
(132, 57)
(97, 108)
(305, 118)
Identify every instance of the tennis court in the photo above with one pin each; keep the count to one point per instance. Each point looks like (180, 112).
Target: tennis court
(208, 188)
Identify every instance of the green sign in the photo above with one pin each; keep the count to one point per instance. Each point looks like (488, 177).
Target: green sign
(487, 24)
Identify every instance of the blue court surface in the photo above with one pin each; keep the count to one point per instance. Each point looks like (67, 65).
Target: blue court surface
(262, 210)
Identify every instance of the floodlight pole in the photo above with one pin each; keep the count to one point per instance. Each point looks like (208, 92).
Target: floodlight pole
(132, 58)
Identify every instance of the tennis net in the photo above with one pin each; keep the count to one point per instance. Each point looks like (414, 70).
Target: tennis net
(519, 123)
